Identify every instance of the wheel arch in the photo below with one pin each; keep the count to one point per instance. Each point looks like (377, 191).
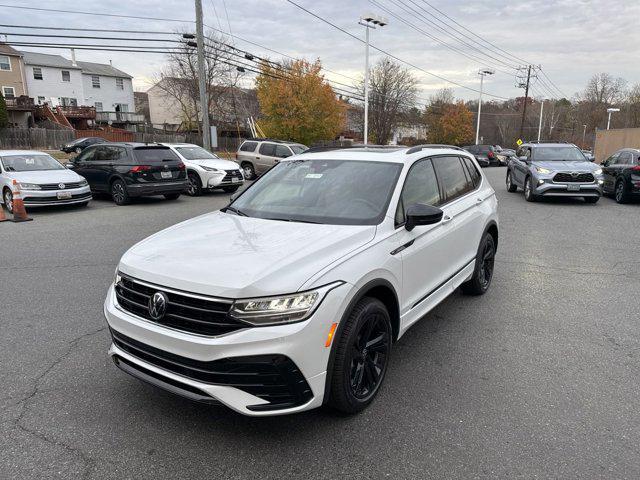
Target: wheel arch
(380, 289)
(492, 229)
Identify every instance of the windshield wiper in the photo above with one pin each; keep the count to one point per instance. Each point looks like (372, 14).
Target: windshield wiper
(290, 220)
(240, 213)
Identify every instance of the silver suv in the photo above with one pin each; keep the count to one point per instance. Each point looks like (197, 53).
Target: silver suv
(554, 170)
(256, 156)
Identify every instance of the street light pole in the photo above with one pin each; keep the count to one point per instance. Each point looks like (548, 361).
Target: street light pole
(482, 72)
(540, 121)
(584, 134)
(368, 21)
(202, 84)
(610, 111)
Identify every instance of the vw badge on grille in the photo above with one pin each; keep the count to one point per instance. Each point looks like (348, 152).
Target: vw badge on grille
(61, 186)
(158, 305)
(575, 174)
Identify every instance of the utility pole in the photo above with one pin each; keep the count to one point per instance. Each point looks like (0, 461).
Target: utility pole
(482, 72)
(526, 96)
(202, 82)
(540, 121)
(368, 21)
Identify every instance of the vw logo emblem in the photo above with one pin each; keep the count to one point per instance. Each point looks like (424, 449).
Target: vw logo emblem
(158, 305)
(61, 186)
(575, 174)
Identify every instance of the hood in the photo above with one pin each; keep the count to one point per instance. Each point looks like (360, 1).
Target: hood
(230, 256)
(46, 176)
(573, 166)
(215, 163)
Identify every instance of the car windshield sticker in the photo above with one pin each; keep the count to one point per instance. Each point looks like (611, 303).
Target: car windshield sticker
(313, 175)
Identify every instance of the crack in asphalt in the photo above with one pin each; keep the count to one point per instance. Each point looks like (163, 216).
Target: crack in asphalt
(26, 400)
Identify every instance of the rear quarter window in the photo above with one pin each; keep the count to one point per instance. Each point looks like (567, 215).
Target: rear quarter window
(268, 149)
(248, 147)
(452, 177)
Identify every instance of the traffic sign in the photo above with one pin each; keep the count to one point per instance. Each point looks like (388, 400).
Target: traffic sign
(519, 142)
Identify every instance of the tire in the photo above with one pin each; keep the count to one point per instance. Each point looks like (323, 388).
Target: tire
(7, 197)
(119, 193)
(511, 187)
(483, 272)
(591, 199)
(357, 374)
(620, 192)
(231, 189)
(248, 171)
(529, 196)
(172, 196)
(194, 189)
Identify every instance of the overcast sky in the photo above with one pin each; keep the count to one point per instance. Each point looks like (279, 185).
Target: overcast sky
(571, 39)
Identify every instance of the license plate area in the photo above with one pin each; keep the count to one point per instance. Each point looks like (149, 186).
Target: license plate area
(63, 195)
(573, 188)
(235, 180)
(166, 175)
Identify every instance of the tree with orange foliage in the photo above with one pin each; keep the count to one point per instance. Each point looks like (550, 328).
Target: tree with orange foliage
(297, 104)
(451, 125)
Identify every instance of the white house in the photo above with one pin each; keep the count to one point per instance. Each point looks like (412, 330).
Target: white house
(57, 80)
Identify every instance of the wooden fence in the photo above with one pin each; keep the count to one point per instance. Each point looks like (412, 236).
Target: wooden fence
(34, 138)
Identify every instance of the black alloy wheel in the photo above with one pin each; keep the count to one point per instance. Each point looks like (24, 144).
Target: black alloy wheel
(620, 193)
(194, 188)
(119, 193)
(483, 272)
(362, 356)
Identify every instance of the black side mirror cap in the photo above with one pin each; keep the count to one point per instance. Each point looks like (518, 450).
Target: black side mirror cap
(421, 214)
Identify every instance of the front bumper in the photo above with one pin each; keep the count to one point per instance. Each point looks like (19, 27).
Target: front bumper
(303, 344)
(548, 188)
(211, 180)
(43, 198)
(163, 188)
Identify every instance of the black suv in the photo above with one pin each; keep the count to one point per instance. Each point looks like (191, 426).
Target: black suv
(126, 170)
(621, 173)
(79, 144)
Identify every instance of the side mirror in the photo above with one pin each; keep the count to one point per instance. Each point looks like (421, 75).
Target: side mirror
(70, 164)
(420, 214)
(603, 164)
(523, 159)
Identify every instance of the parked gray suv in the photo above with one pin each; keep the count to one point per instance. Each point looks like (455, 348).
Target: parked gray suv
(258, 155)
(554, 170)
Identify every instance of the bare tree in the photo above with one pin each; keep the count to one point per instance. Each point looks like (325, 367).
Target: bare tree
(392, 93)
(604, 89)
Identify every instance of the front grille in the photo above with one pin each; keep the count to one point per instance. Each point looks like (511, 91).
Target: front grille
(55, 199)
(56, 186)
(232, 174)
(274, 378)
(184, 312)
(563, 177)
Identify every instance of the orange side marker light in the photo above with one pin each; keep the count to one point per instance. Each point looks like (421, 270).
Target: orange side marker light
(332, 330)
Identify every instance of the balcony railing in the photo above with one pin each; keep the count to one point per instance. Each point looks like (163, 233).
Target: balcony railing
(78, 112)
(20, 103)
(119, 117)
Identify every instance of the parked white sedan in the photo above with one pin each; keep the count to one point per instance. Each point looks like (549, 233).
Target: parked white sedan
(42, 180)
(207, 171)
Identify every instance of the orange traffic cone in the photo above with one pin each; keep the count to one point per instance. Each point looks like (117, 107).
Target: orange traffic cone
(19, 212)
(3, 217)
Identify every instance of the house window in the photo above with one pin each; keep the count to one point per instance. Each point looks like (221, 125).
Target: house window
(41, 100)
(95, 81)
(121, 107)
(37, 73)
(68, 102)
(119, 83)
(66, 76)
(98, 106)
(8, 92)
(5, 63)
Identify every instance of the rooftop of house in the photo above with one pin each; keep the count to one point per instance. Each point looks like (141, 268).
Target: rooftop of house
(9, 50)
(58, 61)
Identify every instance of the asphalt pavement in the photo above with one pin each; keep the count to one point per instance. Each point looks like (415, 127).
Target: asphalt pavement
(536, 379)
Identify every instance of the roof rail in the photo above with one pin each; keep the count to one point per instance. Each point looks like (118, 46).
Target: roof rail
(418, 148)
(328, 148)
(274, 140)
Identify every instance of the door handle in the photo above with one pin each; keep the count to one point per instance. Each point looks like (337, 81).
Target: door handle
(446, 219)
(479, 200)
(257, 158)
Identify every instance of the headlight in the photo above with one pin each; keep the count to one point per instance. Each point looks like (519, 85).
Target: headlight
(597, 172)
(542, 170)
(83, 183)
(211, 169)
(278, 310)
(29, 186)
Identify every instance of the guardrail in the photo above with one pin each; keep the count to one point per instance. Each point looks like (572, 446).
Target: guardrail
(119, 117)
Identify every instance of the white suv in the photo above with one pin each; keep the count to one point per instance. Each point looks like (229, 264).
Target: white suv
(293, 295)
(207, 171)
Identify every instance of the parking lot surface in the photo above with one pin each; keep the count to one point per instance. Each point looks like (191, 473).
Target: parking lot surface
(536, 379)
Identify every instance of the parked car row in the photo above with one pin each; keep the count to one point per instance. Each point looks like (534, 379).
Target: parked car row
(120, 170)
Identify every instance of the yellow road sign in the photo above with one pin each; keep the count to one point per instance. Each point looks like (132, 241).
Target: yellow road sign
(519, 142)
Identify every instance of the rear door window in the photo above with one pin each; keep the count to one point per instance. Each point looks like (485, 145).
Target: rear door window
(268, 149)
(248, 147)
(625, 158)
(145, 155)
(452, 177)
(476, 178)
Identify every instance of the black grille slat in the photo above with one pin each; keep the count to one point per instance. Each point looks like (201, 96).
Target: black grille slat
(563, 177)
(274, 378)
(184, 312)
(231, 174)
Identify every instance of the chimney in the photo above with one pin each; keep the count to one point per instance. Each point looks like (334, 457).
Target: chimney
(73, 58)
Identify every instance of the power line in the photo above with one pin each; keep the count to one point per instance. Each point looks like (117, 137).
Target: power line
(32, 27)
(390, 54)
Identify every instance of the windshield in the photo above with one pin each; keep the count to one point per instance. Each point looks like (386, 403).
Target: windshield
(558, 154)
(339, 192)
(298, 149)
(30, 163)
(195, 153)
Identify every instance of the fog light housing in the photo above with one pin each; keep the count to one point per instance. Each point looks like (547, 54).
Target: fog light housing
(540, 182)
